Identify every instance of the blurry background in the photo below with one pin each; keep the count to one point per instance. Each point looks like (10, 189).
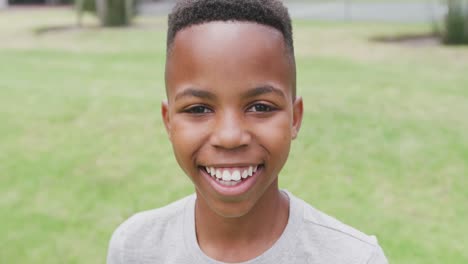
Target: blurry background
(383, 147)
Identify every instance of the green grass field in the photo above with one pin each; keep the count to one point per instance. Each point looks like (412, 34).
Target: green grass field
(383, 147)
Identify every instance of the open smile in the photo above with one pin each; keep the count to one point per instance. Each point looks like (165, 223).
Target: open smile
(233, 180)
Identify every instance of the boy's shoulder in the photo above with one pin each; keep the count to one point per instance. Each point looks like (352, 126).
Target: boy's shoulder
(154, 216)
(143, 231)
(337, 241)
(142, 222)
(331, 225)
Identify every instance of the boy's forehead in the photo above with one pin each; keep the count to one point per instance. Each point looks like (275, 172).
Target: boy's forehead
(229, 41)
(227, 35)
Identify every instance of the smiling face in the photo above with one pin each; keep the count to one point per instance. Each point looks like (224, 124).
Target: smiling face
(230, 113)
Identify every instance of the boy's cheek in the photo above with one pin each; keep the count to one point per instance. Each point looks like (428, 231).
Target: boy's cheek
(278, 127)
(186, 134)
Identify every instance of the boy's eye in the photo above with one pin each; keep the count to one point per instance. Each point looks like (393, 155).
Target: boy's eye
(260, 108)
(199, 109)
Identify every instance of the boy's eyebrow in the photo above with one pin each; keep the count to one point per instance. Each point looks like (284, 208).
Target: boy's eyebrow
(259, 90)
(195, 93)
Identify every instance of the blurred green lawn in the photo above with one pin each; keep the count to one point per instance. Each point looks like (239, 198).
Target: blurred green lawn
(383, 147)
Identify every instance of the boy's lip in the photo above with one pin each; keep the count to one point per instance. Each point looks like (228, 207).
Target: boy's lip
(239, 187)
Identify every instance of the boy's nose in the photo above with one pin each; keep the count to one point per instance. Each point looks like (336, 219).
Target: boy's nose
(229, 132)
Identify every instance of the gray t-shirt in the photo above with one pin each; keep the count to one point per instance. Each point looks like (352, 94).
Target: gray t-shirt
(167, 235)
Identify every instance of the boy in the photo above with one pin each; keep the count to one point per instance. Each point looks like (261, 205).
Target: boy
(231, 114)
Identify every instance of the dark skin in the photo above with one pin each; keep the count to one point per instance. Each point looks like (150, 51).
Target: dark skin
(230, 106)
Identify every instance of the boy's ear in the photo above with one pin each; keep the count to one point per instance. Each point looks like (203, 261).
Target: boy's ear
(297, 116)
(165, 117)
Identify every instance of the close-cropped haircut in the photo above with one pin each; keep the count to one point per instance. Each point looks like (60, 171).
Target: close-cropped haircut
(265, 12)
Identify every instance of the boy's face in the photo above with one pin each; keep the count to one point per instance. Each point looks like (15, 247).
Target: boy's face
(229, 108)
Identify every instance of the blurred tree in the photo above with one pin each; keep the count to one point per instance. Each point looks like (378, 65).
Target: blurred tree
(110, 12)
(456, 22)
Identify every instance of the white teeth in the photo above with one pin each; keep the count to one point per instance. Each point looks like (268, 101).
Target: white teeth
(236, 175)
(245, 174)
(219, 174)
(231, 175)
(226, 175)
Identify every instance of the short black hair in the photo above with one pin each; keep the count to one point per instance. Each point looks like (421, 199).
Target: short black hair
(266, 12)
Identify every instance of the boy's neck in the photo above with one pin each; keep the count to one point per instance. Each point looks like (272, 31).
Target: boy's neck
(242, 238)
